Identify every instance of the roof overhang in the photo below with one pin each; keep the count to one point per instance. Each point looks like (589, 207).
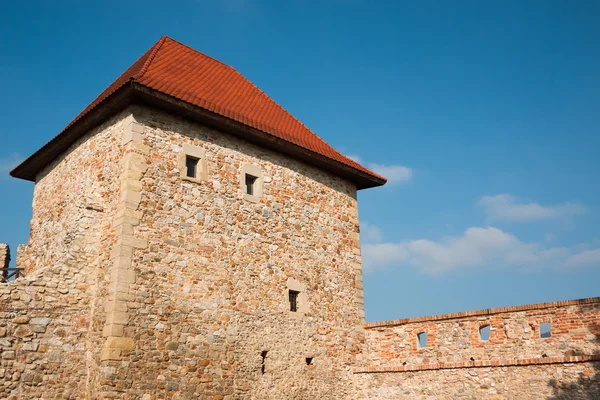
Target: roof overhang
(135, 93)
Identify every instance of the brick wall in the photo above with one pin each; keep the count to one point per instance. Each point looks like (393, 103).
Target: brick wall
(456, 356)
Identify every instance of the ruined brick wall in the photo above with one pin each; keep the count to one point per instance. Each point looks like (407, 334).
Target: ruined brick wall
(514, 360)
(208, 313)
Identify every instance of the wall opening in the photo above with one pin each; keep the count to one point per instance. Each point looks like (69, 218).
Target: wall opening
(484, 332)
(309, 360)
(191, 166)
(545, 330)
(422, 340)
(250, 184)
(263, 355)
(293, 295)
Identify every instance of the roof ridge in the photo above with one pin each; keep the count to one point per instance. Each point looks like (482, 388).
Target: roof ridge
(268, 98)
(251, 83)
(177, 70)
(150, 58)
(197, 51)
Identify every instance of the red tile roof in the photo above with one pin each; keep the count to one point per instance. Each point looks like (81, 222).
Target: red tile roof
(183, 73)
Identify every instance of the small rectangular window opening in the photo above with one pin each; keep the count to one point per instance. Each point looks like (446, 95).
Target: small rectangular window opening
(250, 181)
(191, 165)
(545, 330)
(422, 340)
(263, 354)
(309, 360)
(294, 300)
(484, 332)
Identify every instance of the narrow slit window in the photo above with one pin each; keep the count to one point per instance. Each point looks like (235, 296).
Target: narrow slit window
(422, 340)
(294, 300)
(250, 182)
(191, 166)
(263, 355)
(545, 330)
(484, 332)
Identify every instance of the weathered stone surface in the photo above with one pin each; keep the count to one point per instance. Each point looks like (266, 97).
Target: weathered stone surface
(40, 321)
(143, 284)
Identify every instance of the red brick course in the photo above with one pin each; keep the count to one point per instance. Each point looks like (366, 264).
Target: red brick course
(487, 311)
(482, 364)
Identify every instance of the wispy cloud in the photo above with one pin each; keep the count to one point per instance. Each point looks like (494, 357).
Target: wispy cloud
(370, 233)
(395, 174)
(505, 207)
(586, 257)
(7, 163)
(477, 247)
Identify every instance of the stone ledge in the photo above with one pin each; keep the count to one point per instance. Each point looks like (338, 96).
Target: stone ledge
(480, 364)
(488, 311)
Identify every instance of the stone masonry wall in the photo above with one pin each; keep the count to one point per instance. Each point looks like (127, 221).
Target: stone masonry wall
(4, 255)
(457, 363)
(51, 320)
(142, 283)
(82, 179)
(561, 381)
(207, 313)
(44, 329)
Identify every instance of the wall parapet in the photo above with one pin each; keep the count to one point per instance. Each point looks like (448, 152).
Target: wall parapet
(483, 312)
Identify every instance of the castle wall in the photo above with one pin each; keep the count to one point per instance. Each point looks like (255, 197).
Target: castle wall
(142, 283)
(208, 315)
(45, 332)
(561, 381)
(457, 362)
(50, 318)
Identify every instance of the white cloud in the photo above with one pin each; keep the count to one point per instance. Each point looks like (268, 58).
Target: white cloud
(7, 163)
(586, 257)
(395, 174)
(382, 254)
(354, 157)
(504, 207)
(477, 247)
(370, 233)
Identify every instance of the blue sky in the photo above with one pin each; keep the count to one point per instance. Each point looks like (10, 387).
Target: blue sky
(485, 117)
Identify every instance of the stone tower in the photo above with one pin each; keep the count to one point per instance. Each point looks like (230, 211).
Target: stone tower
(200, 241)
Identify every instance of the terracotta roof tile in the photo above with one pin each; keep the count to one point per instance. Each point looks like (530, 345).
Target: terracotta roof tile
(179, 71)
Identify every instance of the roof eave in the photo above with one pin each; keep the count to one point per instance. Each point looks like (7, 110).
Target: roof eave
(134, 92)
(35, 163)
(154, 98)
